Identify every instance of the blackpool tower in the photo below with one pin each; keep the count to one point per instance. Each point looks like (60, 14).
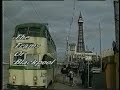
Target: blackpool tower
(80, 42)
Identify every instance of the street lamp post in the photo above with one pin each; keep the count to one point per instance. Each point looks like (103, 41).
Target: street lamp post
(88, 58)
(88, 73)
(100, 45)
(67, 43)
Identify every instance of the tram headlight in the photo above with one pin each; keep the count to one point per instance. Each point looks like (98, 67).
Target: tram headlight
(35, 78)
(14, 77)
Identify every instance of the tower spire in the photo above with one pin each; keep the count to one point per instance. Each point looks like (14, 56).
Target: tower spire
(80, 18)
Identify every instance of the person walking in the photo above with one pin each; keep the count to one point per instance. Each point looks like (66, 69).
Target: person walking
(67, 72)
(86, 76)
(90, 79)
(63, 71)
(115, 48)
(83, 77)
(90, 76)
(71, 77)
(68, 68)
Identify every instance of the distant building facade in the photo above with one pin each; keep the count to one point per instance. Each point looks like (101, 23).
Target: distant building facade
(74, 56)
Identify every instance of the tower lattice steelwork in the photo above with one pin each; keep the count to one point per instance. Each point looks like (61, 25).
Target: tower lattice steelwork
(80, 43)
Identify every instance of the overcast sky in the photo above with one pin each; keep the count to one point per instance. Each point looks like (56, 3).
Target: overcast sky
(58, 14)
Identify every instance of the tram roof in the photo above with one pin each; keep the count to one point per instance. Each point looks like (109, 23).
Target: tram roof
(31, 24)
(35, 25)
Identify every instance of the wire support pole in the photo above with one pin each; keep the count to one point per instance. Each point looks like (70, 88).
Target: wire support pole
(100, 45)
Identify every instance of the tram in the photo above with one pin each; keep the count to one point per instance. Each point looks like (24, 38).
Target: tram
(32, 43)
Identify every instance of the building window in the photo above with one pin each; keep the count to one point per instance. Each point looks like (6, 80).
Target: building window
(72, 48)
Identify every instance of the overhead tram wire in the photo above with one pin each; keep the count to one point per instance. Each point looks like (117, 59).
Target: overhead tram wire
(15, 22)
(68, 36)
(4, 14)
(11, 21)
(71, 23)
(35, 11)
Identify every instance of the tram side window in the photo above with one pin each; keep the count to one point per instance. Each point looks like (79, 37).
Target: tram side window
(48, 37)
(22, 31)
(45, 34)
(31, 57)
(33, 31)
(45, 31)
(44, 66)
(16, 58)
(55, 63)
(49, 65)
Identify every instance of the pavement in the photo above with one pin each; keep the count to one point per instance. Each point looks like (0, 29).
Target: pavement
(60, 86)
(98, 83)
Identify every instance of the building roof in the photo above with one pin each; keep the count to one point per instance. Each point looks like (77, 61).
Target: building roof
(72, 44)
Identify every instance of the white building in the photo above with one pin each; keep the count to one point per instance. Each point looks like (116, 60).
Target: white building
(74, 56)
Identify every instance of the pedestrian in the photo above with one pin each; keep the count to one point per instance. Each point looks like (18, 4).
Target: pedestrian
(71, 77)
(63, 71)
(86, 76)
(90, 79)
(75, 70)
(83, 77)
(90, 76)
(67, 71)
(115, 49)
